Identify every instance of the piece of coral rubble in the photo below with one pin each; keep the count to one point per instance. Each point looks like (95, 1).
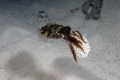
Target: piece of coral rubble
(95, 11)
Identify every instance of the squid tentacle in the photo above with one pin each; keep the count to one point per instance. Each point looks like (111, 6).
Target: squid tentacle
(76, 42)
(73, 52)
(80, 36)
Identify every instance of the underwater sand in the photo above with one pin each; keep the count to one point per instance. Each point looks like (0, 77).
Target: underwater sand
(25, 55)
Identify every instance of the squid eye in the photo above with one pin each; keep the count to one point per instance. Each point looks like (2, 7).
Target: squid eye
(60, 35)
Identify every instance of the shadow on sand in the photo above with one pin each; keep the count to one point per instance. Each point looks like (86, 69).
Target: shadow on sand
(69, 67)
(23, 66)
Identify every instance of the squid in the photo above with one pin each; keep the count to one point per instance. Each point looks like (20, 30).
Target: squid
(78, 44)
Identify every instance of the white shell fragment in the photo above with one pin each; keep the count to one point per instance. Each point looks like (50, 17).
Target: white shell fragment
(85, 45)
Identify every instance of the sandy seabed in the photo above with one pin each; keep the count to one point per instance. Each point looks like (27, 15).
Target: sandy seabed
(25, 55)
